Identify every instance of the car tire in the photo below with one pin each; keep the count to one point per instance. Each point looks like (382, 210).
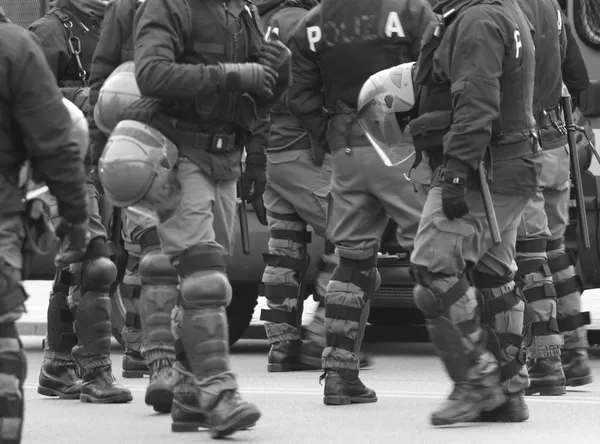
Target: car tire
(239, 312)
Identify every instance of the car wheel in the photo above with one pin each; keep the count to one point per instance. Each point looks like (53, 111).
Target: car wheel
(239, 312)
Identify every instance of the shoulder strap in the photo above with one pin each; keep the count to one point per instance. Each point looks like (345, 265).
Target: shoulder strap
(73, 42)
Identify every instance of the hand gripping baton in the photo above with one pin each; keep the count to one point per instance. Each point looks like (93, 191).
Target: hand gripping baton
(489, 205)
(243, 216)
(575, 171)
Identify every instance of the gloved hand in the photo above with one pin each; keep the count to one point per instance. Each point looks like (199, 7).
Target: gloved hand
(252, 78)
(254, 178)
(454, 188)
(260, 211)
(274, 53)
(75, 239)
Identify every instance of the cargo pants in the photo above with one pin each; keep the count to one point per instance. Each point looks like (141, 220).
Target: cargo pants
(443, 250)
(198, 234)
(295, 197)
(13, 361)
(364, 195)
(549, 282)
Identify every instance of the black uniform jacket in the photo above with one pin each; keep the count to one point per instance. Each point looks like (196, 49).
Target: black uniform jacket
(35, 125)
(336, 48)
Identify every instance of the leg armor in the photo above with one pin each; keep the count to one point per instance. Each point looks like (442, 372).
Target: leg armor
(158, 298)
(93, 279)
(203, 348)
(134, 365)
(571, 321)
(502, 310)
(542, 335)
(286, 265)
(13, 371)
(534, 278)
(352, 284)
(450, 305)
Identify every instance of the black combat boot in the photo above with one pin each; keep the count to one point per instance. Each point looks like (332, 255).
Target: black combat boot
(467, 403)
(284, 356)
(231, 413)
(101, 387)
(59, 378)
(343, 387)
(134, 364)
(576, 365)
(514, 409)
(186, 413)
(159, 393)
(59, 374)
(92, 353)
(547, 377)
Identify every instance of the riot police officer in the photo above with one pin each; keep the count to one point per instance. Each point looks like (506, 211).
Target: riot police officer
(31, 106)
(336, 47)
(458, 268)
(68, 34)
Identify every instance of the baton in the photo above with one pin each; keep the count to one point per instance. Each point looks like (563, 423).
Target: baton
(575, 171)
(243, 216)
(489, 206)
(36, 193)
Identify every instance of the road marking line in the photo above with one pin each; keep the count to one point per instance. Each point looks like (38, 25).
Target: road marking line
(567, 399)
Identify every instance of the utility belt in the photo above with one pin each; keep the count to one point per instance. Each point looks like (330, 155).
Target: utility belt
(217, 142)
(552, 129)
(501, 152)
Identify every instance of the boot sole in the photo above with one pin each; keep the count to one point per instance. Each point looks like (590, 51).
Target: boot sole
(347, 400)
(134, 374)
(159, 396)
(242, 421)
(277, 368)
(183, 427)
(118, 399)
(53, 393)
(470, 416)
(578, 382)
(546, 391)
(162, 408)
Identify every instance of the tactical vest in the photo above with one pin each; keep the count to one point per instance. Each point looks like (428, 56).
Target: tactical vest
(217, 38)
(81, 44)
(547, 21)
(513, 131)
(346, 62)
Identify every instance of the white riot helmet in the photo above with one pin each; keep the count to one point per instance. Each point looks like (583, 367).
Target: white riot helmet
(382, 98)
(79, 127)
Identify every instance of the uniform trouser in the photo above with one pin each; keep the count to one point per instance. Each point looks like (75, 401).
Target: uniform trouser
(552, 308)
(86, 283)
(13, 362)
(135, 225)
(198, 235)
(295, 197)
(364, 194)
(443, 249)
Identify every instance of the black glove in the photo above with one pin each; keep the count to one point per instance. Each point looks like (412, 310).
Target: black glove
(254, 178)
(75, 239)
(252, 78)
(260, 211)
(454, 189)
(274, 53)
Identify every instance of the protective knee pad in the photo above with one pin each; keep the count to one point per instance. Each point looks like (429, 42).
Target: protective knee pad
(427, 302)
(97, 275)
(205, 288)
(61, 336)
(13, 371)
(93, 326)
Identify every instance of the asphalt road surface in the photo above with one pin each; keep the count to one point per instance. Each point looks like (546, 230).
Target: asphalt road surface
(408, 378)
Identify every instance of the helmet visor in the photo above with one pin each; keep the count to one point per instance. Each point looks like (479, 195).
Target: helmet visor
(385, 129)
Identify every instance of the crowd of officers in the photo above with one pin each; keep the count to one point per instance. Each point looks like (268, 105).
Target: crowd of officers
(215, 78)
